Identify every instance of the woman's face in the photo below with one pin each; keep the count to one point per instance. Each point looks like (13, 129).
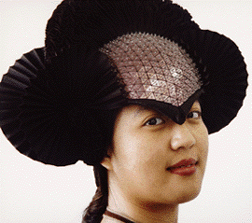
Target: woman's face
(153, 160)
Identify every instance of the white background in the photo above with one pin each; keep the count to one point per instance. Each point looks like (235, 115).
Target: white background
(33, 192)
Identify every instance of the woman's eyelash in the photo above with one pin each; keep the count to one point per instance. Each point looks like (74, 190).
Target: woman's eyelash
(154, 121)
(194, 114)
(157, 120)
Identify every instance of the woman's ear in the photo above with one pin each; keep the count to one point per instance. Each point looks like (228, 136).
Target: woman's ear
(106, 162)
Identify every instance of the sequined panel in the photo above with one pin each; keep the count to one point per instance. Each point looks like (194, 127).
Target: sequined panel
(153, 67)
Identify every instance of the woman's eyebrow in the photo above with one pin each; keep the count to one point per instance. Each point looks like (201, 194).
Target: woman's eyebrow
(140, 110)
(196, 105)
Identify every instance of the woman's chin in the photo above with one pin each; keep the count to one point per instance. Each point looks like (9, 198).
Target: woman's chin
(188, 196)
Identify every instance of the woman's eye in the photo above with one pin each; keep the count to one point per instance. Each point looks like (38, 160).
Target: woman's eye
(194, 115)
(154, 121)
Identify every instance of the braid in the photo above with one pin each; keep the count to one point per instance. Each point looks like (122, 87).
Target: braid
(98, 205)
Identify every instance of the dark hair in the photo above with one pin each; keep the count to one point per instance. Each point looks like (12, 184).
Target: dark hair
(93, 213)
(98, 205)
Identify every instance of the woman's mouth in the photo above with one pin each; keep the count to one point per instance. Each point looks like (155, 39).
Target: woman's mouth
(184, 167)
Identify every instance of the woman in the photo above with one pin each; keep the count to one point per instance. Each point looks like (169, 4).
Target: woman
(155, 164)
(126, 110)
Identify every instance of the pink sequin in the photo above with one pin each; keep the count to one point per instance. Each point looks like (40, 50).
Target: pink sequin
(154, 68)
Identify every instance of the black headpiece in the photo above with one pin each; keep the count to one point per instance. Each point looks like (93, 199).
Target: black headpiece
(58, 102)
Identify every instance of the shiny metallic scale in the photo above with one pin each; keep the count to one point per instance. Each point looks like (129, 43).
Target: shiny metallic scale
(154, 68)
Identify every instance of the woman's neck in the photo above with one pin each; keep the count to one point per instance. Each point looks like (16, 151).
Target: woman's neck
(139, 213)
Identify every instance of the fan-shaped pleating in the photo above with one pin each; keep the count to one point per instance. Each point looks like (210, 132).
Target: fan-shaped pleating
(54, 115)
(223, 72)
(97, 22)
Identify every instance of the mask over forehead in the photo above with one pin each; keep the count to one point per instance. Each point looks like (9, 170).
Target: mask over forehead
(156, 73)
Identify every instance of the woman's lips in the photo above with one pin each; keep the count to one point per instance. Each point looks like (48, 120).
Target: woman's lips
(184, 167)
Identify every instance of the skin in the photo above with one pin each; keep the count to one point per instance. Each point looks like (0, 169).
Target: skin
(145, 144)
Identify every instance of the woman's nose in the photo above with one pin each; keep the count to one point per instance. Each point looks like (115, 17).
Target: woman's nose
(182, 137)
